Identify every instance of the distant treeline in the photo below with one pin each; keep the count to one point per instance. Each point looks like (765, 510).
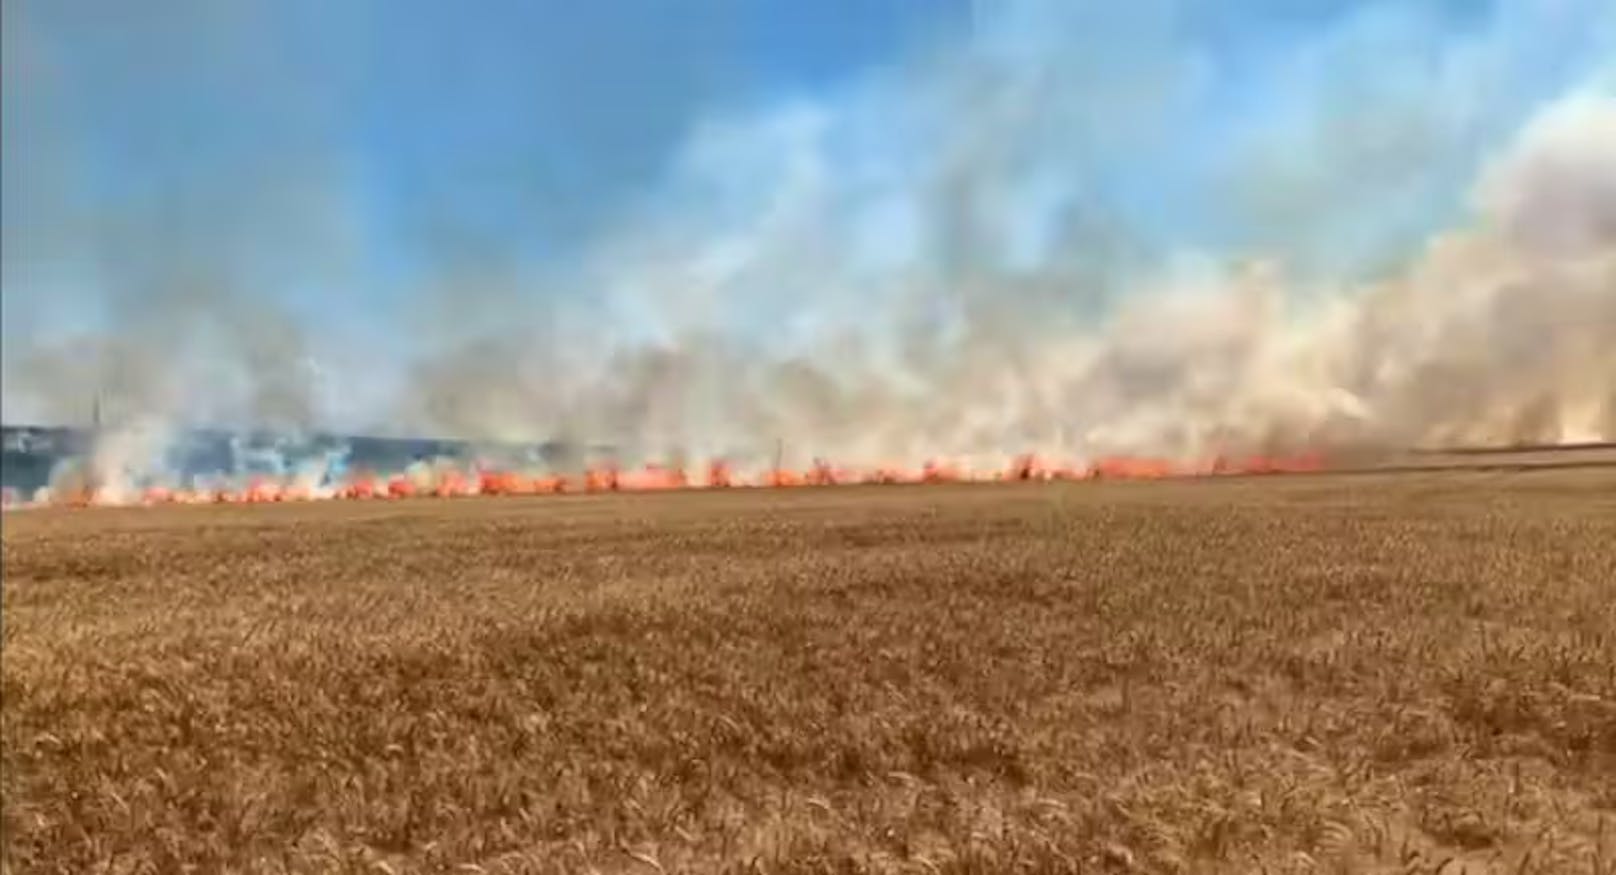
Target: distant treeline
(31, 453)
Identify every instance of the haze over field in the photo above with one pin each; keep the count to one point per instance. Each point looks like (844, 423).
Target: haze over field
(1062, 228)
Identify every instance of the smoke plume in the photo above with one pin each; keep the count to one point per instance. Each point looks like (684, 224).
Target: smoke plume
(937, 263)
(1061, 232)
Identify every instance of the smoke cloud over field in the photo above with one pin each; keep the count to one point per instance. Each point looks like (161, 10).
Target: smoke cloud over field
(1061, 232)
(938, 263)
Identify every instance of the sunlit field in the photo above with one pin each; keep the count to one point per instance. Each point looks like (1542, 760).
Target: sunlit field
(1331, 673)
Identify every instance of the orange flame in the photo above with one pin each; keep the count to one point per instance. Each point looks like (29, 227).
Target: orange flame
(452, 483)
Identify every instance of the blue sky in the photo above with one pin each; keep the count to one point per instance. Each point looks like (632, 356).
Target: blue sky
(511, 128)
(344, 161)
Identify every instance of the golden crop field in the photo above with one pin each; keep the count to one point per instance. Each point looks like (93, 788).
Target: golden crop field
(1368, 673)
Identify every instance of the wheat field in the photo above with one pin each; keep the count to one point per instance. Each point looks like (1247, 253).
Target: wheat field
(1372, 673)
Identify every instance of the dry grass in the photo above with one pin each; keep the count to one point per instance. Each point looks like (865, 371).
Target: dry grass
(1332, 674)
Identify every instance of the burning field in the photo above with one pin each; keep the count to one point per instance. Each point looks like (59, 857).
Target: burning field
(992, 457)
(1382, 672)
(81, 484)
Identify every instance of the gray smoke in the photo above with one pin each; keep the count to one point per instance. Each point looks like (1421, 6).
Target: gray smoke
(828, 286)
(1013, 242)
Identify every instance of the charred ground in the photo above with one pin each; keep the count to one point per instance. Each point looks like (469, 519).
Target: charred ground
(1369, 673)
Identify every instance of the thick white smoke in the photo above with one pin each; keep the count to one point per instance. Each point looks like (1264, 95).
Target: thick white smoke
(935, 263)
(1076, 231)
